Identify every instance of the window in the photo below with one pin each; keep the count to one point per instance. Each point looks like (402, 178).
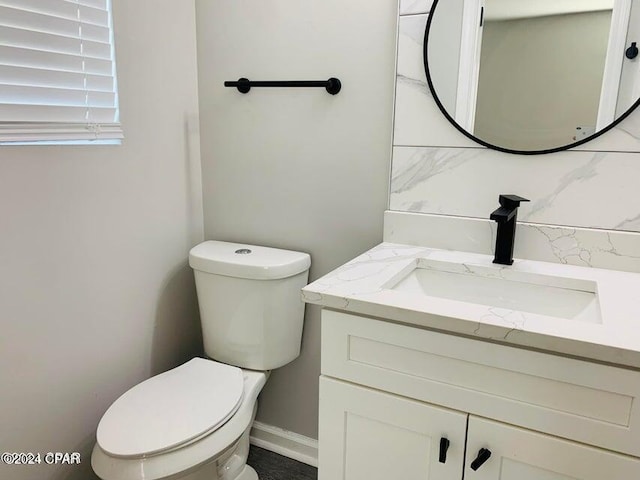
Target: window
(57, 71)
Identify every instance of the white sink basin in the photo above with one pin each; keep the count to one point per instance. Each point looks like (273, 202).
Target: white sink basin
(561, 297)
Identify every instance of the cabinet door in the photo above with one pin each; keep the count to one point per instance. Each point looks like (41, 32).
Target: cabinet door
(366, 434)
(518, 454)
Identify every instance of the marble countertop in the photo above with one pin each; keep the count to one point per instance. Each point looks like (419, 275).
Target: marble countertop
(364, 286)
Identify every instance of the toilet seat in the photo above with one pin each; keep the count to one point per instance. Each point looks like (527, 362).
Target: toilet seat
(172, 463)
(171, 409)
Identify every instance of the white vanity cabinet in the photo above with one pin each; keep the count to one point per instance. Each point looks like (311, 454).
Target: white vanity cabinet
(367, 434)
(519, 454)
(390, 393)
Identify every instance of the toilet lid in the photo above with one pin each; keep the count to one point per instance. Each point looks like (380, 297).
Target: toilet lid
(171, 409)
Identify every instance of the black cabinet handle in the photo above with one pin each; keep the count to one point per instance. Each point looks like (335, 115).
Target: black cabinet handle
(444, 446)
(483, 456)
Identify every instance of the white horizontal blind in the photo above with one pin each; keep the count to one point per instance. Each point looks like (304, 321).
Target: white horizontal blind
(57, 71)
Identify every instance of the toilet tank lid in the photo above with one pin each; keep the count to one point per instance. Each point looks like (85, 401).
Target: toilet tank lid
(247, 261)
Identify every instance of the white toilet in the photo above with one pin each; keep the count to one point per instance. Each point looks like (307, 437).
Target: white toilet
(193, 422)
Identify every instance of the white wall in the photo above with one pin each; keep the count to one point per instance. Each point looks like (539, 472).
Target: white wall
(95, 292)
(298, 169)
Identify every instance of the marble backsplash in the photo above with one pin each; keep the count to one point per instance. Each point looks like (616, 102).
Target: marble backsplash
(411, 7)
(580, 189)
(585, 203)
(586, 247)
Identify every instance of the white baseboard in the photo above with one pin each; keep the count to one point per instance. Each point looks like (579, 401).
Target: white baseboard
(286, 443)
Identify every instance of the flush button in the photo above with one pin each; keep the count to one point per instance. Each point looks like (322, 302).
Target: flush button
(243, 251)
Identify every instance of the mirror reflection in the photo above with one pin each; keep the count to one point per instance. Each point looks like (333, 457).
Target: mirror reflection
(533, 75)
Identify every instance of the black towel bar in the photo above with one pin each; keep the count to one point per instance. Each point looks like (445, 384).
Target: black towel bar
(243, 85)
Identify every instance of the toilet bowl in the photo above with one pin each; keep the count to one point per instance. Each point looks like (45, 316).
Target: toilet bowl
(193, 422)
(217, 453)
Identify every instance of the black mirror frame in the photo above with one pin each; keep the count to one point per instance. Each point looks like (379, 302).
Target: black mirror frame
(469, 135)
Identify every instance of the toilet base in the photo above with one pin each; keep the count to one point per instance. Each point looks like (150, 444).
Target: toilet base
(210, 473)
(231, 465)
(248, 474)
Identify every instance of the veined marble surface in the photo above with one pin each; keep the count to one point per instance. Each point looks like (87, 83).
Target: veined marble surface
(419, 122)
(614, 250)
(580, 189)
(411, 7)
(364, 286)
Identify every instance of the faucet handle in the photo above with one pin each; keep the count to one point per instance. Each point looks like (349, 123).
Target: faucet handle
(511, 201)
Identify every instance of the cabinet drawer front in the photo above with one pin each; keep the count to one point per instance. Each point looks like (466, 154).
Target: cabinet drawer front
(366, 434)
(587, 402)
(518, 454)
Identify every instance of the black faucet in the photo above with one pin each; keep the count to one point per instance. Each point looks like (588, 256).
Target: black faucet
(506, 217)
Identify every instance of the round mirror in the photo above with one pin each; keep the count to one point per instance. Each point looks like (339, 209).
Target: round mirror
(533, 76)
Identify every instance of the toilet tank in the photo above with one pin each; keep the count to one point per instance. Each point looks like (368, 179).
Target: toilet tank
(251, 309)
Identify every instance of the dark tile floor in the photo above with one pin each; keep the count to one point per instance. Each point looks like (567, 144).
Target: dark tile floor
(271, 466)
